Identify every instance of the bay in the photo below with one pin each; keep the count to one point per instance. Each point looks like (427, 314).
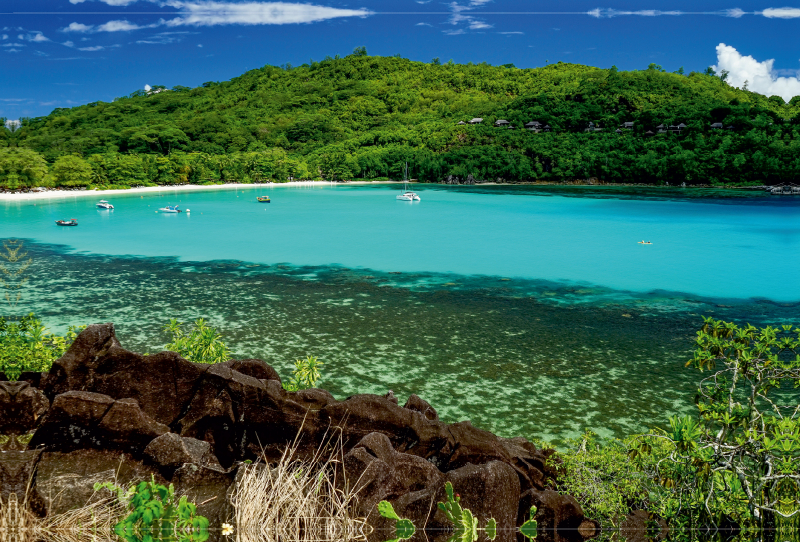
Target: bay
(532, 311)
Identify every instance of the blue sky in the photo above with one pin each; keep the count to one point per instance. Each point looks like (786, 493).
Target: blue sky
(61, 53)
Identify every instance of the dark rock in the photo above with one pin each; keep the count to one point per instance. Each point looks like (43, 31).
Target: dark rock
(415, 403)
(555, 512)
(253, 367)
(157, 377)
(73, 370)
(641, 526)
(409, 482)
(406, 429)
(20, 407)
(80, 419)
(17, 468)
(170, 451)
(313, 398)
(207, 487)
(490, 490)
(65, 481)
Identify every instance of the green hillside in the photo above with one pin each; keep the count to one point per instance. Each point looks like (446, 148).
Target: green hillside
(364, 116)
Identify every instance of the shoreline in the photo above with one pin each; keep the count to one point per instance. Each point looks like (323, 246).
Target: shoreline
(56, 193)
(62, 194)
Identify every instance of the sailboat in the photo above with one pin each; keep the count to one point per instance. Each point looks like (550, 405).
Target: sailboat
(407, 195)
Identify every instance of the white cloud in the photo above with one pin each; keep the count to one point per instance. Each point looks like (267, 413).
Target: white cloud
(200, 45)
(37, 37)
(511, 33)
(77, 27)
(5, 36)
(13, 45)
(478, 25)
(69, 44)
(120, 26)
(13, 51)
(607, 13)
(210, 13)
(109, 2)
(760, 76)
(423, 24)
(781, 13)
(93, 48)
(147, 88)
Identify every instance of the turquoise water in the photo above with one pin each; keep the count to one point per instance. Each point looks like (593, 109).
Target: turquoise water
(531, 311)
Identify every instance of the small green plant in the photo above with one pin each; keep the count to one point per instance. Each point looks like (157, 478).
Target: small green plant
(25, 345)
(403, 528)
(466, 525)
(155, 510)
(203, 344)
(306, 374)
(530, 528)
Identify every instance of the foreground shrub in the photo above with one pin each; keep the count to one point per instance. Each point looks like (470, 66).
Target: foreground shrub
(203, 344)
(25, 345)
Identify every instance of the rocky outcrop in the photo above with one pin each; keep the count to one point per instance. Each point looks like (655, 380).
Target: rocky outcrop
(102, 406)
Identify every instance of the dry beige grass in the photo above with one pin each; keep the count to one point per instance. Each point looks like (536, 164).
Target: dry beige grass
(296, 501)
(93, 522)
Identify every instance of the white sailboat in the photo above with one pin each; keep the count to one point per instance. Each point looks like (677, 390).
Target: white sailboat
(407, 195)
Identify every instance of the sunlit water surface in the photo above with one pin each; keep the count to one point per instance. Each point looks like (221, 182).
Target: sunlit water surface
(531, 311)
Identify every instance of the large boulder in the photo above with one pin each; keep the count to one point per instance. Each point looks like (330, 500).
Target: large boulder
(65, 481)
(379, 472)
(21, 405)
(490, 490)
(74, 370)
(80, 419)
(169, 452)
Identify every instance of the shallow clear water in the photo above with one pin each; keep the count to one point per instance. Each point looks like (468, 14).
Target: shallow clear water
(530, 311)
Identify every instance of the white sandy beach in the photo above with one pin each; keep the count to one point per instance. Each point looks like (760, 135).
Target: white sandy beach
(62, 194)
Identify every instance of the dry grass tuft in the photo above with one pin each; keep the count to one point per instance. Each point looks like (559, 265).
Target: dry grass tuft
(296, 501)
(92, 522)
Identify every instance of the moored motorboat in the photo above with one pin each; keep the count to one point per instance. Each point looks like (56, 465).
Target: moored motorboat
(103, 204)
(70, 222)
(170, 209)
(263, 199)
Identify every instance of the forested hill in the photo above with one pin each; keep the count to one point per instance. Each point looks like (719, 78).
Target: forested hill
(364, 116)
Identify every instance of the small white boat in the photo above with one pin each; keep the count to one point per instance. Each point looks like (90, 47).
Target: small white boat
(103, 204)
(407, 195)
(170, 209)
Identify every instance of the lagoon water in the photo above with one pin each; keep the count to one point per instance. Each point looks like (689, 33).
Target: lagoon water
(530, 310)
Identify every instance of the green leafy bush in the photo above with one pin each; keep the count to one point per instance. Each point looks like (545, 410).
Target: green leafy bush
(156, 513)
(25, 345)
(203, 344)
(306, 374)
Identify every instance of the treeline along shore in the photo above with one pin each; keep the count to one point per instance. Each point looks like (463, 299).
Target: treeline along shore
(365, 117)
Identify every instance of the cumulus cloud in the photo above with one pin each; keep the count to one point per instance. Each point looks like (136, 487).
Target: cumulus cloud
(120, 26)
(781, 13)
(761, 77)
(210, 13)
(109, 2)
(77, 27)
(37, 37)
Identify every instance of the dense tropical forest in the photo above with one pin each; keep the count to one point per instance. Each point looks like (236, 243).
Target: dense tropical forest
(364, 117)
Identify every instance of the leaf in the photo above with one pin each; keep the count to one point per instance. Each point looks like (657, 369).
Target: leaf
(404, 529)
(386, 510)
(491, 529)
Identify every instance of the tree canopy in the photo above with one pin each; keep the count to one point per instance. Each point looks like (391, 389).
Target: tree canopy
(365, 116)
